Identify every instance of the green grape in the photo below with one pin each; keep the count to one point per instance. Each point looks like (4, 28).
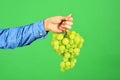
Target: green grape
(71, 42)
(59, 36)
(56, 42)
(68, 65)
(71, 50)
(79, 45)
(62, 69)
(52, 43)
(60, 52)
(68, 46)
(73, 60)
(78, 35)
(76, 51)
(65, 59)
(73, 32)
(65, 41)
(66, 50)
(67, 55)
(77, 40)
(56, 47)
(54, 35)
(82, 40)
(72, 35)
(72, 64)
(72, 56)
(76, 54)
(62, 64)
(74, 46)
(61, 47)
(68, 33)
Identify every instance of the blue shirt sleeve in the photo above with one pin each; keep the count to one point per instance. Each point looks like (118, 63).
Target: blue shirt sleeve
(22, 36)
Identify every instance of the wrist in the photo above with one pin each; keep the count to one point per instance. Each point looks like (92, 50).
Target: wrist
(46, 25)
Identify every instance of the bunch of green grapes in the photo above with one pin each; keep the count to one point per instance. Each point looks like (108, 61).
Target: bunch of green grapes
(68, 46)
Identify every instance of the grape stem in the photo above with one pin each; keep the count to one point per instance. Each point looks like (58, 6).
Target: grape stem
(66, 32)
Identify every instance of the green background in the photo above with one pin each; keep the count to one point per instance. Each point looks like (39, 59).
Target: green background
(98, 21)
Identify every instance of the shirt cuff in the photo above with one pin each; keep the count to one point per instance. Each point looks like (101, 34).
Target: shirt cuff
(39, 29)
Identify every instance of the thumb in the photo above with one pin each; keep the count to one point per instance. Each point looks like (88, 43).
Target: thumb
(66, 17)
(70, 15)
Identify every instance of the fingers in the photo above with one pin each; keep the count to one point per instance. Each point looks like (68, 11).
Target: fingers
(62, 28)
(70, 23)
(69, 17)
(66, 24)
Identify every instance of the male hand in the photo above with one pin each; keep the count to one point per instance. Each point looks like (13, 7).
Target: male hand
(58, 24)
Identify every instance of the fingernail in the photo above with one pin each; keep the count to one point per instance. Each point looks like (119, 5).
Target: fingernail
(70, 15)
(63, 22)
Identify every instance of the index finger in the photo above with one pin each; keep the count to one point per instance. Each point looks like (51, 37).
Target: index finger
(70, 19)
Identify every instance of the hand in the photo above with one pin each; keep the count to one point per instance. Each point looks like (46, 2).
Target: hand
(58, 24)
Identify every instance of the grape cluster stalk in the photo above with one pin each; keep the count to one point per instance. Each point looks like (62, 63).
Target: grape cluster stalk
(67, 45)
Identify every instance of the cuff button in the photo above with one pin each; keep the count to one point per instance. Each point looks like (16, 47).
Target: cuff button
(40, 34)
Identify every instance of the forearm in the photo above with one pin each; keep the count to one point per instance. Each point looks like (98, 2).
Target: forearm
(21, 36)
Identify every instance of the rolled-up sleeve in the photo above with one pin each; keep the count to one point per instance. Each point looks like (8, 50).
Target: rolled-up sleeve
(22, 36)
